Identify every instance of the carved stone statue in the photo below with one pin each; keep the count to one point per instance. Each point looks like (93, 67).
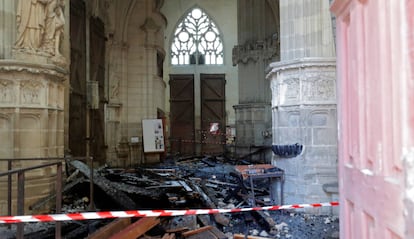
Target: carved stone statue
(30, 24)
(54, 26)
(40, 25)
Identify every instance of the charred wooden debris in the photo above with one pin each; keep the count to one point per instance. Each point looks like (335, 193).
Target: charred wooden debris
(185, 183)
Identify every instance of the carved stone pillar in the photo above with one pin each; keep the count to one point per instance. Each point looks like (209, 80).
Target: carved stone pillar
(304, 112)
(303, 88)
(31, 121)
(258, 35)
(116, 79)
(305, 29)
(33, 74)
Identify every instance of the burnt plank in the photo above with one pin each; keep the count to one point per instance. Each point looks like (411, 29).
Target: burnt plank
(241, 236)
(196, 231)
(204, 219)
(220, 218)
(203, 235)
(219, 234)
(111, 228)
(137, 228)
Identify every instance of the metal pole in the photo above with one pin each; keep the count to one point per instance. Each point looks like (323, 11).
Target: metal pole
(58, 225)
(9, 188)
(20, 203)
(91, 198)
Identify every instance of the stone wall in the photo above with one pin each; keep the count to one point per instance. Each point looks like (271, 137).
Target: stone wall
(135, 44)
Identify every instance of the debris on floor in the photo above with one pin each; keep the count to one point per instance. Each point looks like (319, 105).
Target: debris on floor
(183, 183)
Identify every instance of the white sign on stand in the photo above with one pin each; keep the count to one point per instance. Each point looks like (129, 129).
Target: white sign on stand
(153, 133)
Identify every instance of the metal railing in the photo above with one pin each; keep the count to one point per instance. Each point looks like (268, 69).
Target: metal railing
(58, 162)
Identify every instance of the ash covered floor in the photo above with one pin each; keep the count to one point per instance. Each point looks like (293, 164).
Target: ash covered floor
(184, 183)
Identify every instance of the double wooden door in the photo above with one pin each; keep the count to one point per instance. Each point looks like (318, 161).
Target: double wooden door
(209, 138)
(78, 109)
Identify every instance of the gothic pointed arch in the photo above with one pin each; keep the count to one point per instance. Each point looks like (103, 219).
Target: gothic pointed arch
(196, 40)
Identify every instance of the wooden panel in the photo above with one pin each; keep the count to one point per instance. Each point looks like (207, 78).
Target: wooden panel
(77, 97)
(213, 105)
(182, 114)
(370, 121)
(97, 73)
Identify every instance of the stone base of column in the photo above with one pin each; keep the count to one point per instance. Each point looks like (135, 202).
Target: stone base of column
(32, 121)
(304, 112)
(253, 128)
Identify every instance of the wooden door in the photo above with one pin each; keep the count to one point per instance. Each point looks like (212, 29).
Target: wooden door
(97, 73)
(77, 95)
(213, 113)
(182, 114)
(372, 78)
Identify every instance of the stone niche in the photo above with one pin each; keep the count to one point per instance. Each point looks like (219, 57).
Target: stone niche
(31, 123)
(304, 112)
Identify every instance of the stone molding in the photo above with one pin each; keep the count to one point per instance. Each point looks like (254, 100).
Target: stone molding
(55, 72)
(300, 63)
(31, 85)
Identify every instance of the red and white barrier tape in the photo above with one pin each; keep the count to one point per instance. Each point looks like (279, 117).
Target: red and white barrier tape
(197, 141)
(148, 213)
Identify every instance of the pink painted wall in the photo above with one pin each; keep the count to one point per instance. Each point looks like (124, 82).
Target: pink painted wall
(375, 113)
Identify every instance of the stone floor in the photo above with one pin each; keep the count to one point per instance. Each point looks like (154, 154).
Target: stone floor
(291, 225)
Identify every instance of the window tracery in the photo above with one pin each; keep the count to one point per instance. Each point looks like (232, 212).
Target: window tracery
(197, 40)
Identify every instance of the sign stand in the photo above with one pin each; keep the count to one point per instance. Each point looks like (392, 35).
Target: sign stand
(153, 136)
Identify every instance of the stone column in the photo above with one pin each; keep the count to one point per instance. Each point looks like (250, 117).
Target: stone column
(258, 39)
(7, 31)
(305, 29)
(117, 153)
(33, 74)
(303, 88)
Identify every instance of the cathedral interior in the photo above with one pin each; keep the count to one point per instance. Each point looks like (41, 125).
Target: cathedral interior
(92, 87)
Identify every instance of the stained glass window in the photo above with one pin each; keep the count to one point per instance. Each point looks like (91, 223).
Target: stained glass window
(197, 40)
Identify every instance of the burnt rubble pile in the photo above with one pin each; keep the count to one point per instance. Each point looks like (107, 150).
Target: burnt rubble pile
(186, 183)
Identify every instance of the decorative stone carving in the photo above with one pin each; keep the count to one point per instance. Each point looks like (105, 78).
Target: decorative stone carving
(6, 91)
(54, 26)
(30, 91)
(56, 73)
(115, 72)
(291, 90)
(115, 82)
(305, 81)
(267, 49)
(319, 89)
(40, 26)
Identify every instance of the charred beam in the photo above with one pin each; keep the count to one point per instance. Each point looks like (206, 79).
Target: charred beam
(107, 186)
